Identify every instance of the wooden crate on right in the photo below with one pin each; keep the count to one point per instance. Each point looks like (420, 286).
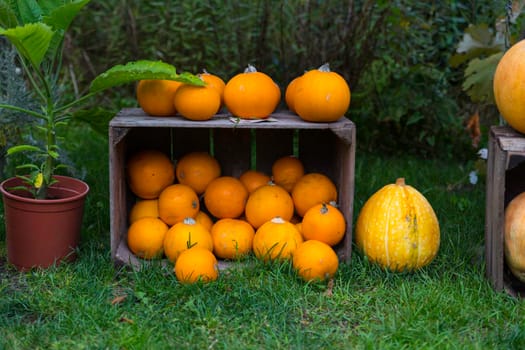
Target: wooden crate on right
(505, 180)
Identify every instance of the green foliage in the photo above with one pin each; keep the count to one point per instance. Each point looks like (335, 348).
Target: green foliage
(134, 71)
(412, 40)
(39, 36)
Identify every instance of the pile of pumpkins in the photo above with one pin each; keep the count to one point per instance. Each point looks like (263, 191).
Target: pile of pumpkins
(319, 95)
(193, 205)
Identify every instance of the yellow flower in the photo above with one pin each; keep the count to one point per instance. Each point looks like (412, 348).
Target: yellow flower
(39, 179)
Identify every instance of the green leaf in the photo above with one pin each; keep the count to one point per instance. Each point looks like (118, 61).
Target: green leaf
(7, 15)
(29, 11)
(22, 148)
(61, 17)
(139, 70)
(97, 118)
(478, 42)
(479, 76)
(31, 40)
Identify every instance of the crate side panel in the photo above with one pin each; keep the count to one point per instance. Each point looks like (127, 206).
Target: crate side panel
(117, 188)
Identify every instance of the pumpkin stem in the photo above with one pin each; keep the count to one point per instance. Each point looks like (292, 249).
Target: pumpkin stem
(278, 220)
(324, 68)
(250, 69)
(189, 221)
(400, 181)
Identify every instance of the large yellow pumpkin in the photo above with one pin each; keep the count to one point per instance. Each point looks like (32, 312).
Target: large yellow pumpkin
(397, 228)
(515, 236)
(321, 96)
(509, 86)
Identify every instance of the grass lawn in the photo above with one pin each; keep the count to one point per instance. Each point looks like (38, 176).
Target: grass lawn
(449, 304)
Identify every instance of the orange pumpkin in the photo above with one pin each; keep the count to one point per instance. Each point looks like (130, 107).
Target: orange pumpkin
(325, 223)
(197, 102)
(312, 189)
(197, 169)
(253, 179)
(214, 81)
(321, 96)
(397, 228)
(509, 86)
(232, 238)
(177, 202)
(515, 236)
(251, 94)
(267, 202)
(315, 260)
(225, 197)
(184, 235)
(276, 239)
(286, 171)
(289, 95)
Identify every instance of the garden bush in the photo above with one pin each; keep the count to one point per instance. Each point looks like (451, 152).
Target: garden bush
(395, 55)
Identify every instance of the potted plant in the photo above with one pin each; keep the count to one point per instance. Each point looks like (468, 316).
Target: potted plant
(43, 210)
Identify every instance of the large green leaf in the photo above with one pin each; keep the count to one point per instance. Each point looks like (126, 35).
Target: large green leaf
(479, 76)
(140, 70)
(31, 40)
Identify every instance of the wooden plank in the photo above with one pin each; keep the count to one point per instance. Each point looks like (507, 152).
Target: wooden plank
(135, 118)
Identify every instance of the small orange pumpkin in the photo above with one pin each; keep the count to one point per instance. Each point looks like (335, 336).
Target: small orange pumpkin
(253, 179)
(286, 171)
(197, 169)
(197, 102)
(267, 202)
(276, 239)
(289, 95)
(312, 189)
(214, 81)
(397, 228)
(321, 96)
(251, 94)
(515, 236)
(232, 238)
(315, 261)
(225, 197)
(177, 202)
(184, 235)
(325, 223)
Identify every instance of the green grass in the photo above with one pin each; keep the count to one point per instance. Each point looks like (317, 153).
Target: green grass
(448, 304)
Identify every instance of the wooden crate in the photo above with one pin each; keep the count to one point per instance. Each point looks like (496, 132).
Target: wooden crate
(322, 147)
(505, 180)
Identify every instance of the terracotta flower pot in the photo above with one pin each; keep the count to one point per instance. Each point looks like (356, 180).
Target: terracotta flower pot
(42, 232)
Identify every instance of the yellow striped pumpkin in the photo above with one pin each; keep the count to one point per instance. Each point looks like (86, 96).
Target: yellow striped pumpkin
(397, 228)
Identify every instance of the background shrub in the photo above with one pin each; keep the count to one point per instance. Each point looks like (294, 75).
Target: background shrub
(394, 54)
